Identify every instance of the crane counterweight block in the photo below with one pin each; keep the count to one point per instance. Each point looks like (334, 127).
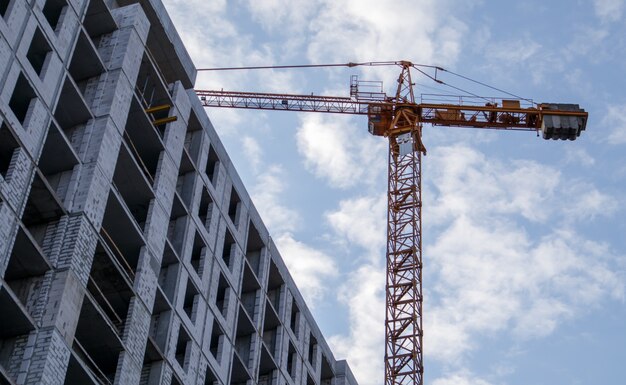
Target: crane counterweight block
(562, 121)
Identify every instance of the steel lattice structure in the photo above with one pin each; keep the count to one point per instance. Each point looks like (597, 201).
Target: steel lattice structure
(403, 321)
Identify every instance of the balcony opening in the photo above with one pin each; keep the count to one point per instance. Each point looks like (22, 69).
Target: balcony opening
(133, 188)
(42, 210)
(160, 324)
(250, 292)
(38, 51)
(295, 318)
(187, 176)
(22, 98)
(110, 288)
(177, 225)
(190, 301)
(143, 142)
(210, 378)
(217, 342)
(312, 350)
(193, 138)
(168, 275)
(244, 338)
(98, 20)
(53, 10)
(271, 323)
(183, 348)
(234, 206)
(152, 366)
(8, 147)
(212, 166)
(221, 298)
(198, 253)
(206, 210)
(15, 327)
(26, 270)
(292, 357)
(121, 235)
(326, 375)
(228, 251)
(72, 112)
(86, 62)
(96, 343)
(4, 6)
(254, 248)
(274, 284)
(267, 368)
(57, 162)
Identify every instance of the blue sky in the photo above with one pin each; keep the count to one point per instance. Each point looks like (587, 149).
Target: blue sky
(524, 246)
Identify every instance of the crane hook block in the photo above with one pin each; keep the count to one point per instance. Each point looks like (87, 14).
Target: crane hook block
(562, 121)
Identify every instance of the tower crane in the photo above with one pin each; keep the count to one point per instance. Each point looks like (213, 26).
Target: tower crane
(400, 119)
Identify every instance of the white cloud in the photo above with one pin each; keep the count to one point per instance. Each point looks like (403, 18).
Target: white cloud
(253, 151)
(492, 276)
(266, 197)
(337, 151)
(609, 10)
(615, 122)
(310, 268)
(363, 294)
(579, 156)
(359, 221)
(463, 378)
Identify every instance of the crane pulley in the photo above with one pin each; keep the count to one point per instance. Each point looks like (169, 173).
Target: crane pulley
(400, 118)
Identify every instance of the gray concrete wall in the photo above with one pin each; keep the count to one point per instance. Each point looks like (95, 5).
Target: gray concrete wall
(130, 251)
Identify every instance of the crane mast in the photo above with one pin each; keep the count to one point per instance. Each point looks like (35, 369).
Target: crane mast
(400, 118)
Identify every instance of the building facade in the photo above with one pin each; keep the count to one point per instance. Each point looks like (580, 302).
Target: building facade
(130, 252)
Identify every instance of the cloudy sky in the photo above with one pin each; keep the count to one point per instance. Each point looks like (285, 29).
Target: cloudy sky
(524, 239)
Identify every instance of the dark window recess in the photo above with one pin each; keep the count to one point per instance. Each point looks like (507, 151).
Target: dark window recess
(8, 145)
(291, 367)
(274, 284)
(111, 291)
(53, 10)
(228, 249)
(312, 344)
(190, 301)
(183, 347)
(96, 343)
(212, 165)
(98, 19)
(243, 338)
(249, 288)
(197, 257)
(22, 96)
(175, 380)
(193, 137)
(221, 299)
(209, 377)
(233, 206)
(4, 5)
(136, 194)
(254, 247)
(26, 269)
(217, 338)
(205, 209)
(294, 318)
(38, 51)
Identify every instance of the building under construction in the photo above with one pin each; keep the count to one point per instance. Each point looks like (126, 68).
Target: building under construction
(130, 252)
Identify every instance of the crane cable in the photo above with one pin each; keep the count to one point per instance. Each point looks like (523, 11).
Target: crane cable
(381, 63)
(350, 64)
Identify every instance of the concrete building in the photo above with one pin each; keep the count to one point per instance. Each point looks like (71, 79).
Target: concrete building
(130, 252)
